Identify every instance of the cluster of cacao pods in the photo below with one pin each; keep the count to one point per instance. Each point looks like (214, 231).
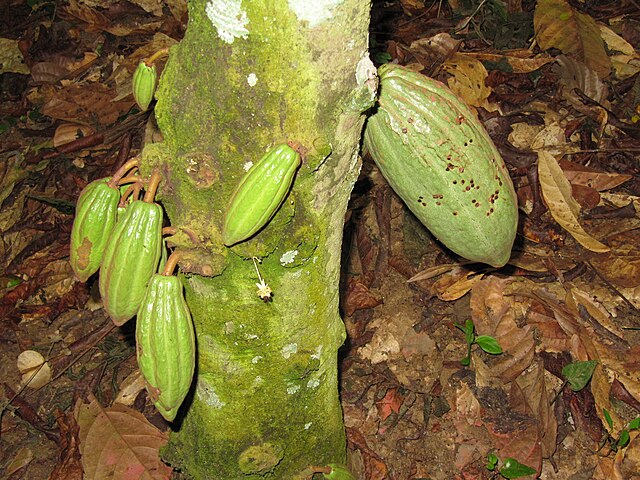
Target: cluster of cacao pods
(439, 159)
(121, 236)
(126, 247)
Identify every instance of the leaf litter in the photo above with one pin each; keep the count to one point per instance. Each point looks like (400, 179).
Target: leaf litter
(412, 410)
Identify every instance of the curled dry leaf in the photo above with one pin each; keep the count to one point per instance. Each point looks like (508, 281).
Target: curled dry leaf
(468, 81)
(556, 191)
(35, 371)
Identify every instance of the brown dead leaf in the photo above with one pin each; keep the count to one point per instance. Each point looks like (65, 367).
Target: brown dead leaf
(576, 75)
(578, 174)
(21, 459)
(628, 460)
(455, 284)
(521, 61)
(391, 403)
(468, 81)
(358, 297)
(118, 439)
(95, 21)
(558, 25)
(492, 314)
(621, 266)
(556, 191)
(432, 272)
(601, 391)
(552, 336)
(68, 132)
(69, 466)
(536, 396)
(89, 104)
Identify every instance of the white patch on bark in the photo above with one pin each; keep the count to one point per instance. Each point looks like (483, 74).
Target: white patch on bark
(313, 12)
(247, 165)
(288, 349)
(288, 257)
(256, 359)
(252, 79)
(228, 18)
(308, 425)
(313, 383)
(291, 389)
(365, 70)
(208, 395)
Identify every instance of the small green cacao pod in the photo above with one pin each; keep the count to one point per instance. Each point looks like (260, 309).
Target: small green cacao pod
(96, 213)
(166, 344)
(339, 472)
(259, 194)
(439, 159)
(144, 82)
(130, 259)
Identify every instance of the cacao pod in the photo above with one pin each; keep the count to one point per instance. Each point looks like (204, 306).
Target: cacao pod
(144, 83)
(439, 159)
(130, 259)
(339, 472)
(96, 213)
(259, 194)
(166, 344)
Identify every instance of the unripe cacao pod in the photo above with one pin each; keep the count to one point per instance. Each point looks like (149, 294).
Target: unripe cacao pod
(144, 83)
(96, 213)
(165, 344)
(130, 259)
(259, 194)
(339, 472)
(439, 159)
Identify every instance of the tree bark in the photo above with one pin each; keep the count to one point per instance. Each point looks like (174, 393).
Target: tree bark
(250, 75)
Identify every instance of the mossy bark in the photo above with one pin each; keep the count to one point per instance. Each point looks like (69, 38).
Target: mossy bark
(250, 75)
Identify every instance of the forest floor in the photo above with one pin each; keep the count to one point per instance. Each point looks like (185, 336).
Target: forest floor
(560, 101)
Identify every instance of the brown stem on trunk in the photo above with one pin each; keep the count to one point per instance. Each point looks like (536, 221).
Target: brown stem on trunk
(122, 171)
(160, 53)
(133, 190)
(170, 266)
(154, 181)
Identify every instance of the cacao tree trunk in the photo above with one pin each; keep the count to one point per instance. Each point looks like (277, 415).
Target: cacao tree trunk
(250, 75)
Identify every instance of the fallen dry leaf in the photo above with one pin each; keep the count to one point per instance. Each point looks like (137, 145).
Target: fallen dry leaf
(35, 371)
(556, 191)
(558, 25)
(468, 81)
(117, 441)
(492, 314)
(578, 174)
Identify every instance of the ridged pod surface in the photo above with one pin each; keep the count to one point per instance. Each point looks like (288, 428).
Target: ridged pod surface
(165, 344)
(440, 160)
(144, 83)
(95, 217)
(259, 194)
(131, 258)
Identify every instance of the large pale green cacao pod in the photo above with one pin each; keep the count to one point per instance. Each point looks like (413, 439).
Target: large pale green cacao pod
(95, 218)
(166, 344)
(440, 160)
(259, 194)
(130, 259)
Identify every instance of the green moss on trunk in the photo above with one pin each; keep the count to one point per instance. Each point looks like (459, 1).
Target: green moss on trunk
(265, 404)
